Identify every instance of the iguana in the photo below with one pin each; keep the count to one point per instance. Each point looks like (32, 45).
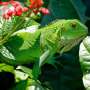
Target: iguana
(58, 37)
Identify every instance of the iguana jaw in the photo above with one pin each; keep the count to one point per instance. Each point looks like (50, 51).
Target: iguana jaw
(72, 43)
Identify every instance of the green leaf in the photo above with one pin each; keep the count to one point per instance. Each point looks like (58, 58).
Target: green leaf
(86, 81)
(6, 53)
(65, 9)
(84, 54)
(7, 68)
(19, 75)
(25, 70)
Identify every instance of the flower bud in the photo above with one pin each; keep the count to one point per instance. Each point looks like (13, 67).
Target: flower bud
(45, 11)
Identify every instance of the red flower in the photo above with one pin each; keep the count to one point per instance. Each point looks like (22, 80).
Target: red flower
(10, 13)
(15, 9)
(35, 4)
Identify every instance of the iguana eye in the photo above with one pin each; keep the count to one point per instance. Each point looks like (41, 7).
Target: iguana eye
(73, 24)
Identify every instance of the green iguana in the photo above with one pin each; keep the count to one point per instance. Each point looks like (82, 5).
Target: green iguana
(59, 36)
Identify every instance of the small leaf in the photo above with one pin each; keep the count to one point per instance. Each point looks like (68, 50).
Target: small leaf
(20, 75)
(25, 70)
(6, 53)
(7, 68)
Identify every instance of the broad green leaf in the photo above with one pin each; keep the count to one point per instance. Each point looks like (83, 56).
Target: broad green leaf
(66, 9)
(86, 81)
(84, 54)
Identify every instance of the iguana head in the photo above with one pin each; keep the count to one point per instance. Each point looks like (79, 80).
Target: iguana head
(72, 32)
(62, 35)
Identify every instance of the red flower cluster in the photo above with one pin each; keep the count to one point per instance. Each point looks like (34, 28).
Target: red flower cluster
(14, 8)
(36, 6)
